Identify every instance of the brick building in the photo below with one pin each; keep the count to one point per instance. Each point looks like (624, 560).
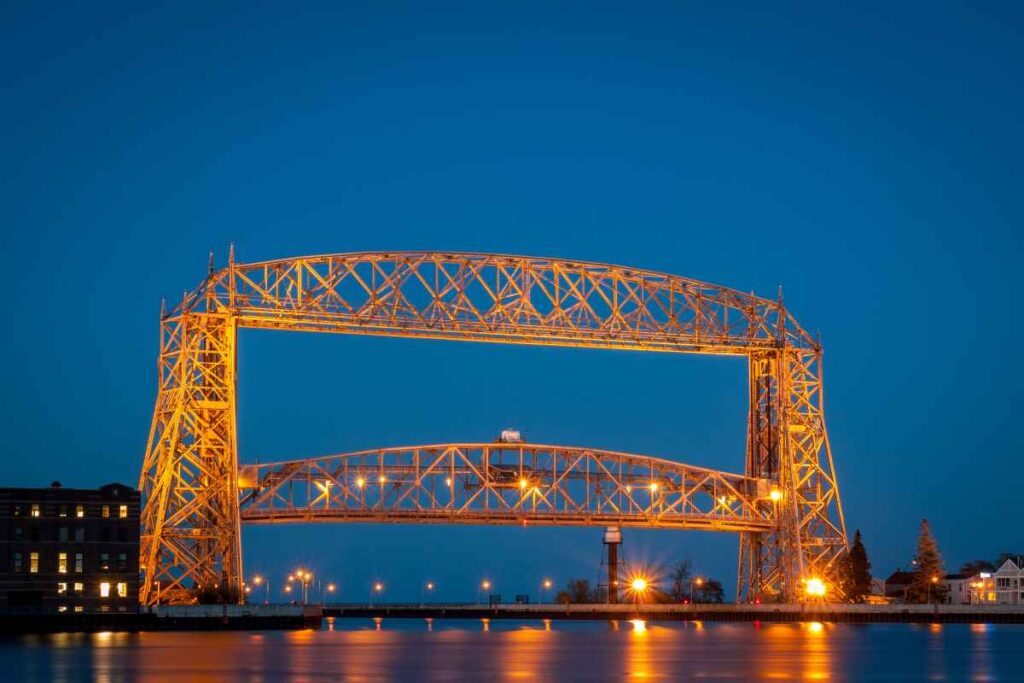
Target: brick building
(69, 550)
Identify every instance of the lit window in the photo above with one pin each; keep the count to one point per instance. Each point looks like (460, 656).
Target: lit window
(62, 563)
(122, 511)
(104, 561)
(122, 589)
(62, 608)
(104, 608)
(62, 589)
(122, 561)
(105, 589)
(35, 509)
(79, 511)
(79, 608)
(78, 563)
(79, 587)
(106, 510)
(63, 511)
(33, 563)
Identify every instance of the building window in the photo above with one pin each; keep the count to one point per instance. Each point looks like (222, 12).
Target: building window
(105, 589)
(62, 563)
(104, 608)
(17, 562)
(78, 563)
(33, 563)
(19, 533)
(104, 535)
(122, 561)
(33, 533)
(122, 534)
(63, 511)
(79, 587)
(106, 511)
(35, 509)
(79, 609)
(62, 589)
(62, 534)
(16, 510)
(62, 608)
(79, 534)
(79, 511)
(122, 589)
(122, 511)
(105, 561)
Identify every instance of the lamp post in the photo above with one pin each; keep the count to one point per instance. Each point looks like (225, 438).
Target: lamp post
(546, 588)
(698, 581)
(934, 580)
(259, 581)
(378, 588)
(330, 589)
(485, 586)
(639, 587)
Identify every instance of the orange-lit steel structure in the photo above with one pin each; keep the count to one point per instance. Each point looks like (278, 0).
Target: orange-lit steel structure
(503, 483)
(193, 501)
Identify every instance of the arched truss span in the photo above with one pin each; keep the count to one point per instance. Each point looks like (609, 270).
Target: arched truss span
(481, 483)
(191, 517)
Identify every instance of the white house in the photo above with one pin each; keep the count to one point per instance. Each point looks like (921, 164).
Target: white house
(1005, 586)
(958, 589)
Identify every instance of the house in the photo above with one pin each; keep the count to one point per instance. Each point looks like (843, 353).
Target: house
(958, 588)
(897, 584)
(1005, 586)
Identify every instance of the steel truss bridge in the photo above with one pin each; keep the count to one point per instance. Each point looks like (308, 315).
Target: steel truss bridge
(504, 483)
(785, 507)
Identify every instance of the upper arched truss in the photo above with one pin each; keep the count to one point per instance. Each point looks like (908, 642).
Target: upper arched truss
(490, 297)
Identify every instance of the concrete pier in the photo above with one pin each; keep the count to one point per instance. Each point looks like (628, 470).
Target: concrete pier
(836, 613)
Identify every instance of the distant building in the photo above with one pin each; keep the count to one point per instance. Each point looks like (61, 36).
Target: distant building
(1005, 586)
(958, 589)
(898, 583)
(69, 550)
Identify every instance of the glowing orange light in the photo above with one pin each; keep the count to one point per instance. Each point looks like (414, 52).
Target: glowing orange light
(330, 587)
(360, 482)
(815, 588)
(381, 479)
(378, 587)
(639, 584)
(523, 483)
(485, 584)
(775, 495)
(654, 487)
(547, 583)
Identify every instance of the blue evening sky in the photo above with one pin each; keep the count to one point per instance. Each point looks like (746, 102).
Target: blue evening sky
(869, 160)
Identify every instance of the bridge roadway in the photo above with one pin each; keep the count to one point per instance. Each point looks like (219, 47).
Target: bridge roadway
(504, 483)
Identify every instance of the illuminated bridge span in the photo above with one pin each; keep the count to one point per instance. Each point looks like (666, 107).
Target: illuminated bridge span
(191, 516)
(527, 484)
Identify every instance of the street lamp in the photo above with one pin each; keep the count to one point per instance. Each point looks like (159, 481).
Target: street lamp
(638, 586)
(259, 581)
(378, 588)
(698, 582)
(546, 585)
(815, 588)
(934, 580)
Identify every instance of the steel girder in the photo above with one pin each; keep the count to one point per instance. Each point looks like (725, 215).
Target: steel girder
(189, 533)
(523, 484)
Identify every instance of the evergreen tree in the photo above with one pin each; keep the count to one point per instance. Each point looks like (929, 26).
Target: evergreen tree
(855, 571)
(928, 584)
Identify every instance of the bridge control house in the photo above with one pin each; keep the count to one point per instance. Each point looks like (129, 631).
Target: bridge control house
(69, 550)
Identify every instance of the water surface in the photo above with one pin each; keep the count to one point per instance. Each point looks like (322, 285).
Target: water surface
(482, 650)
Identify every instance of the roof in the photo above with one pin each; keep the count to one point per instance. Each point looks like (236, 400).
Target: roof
(901, 577)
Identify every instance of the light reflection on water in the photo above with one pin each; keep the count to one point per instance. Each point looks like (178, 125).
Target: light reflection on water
(466, 650)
